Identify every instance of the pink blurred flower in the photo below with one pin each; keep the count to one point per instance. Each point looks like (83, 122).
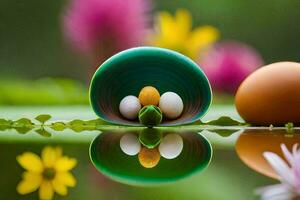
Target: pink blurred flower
(289, 173)
(228, 64)
(100, 28)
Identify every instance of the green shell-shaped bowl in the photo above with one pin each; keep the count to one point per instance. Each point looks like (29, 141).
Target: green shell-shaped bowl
(127, 72)
(108, 158)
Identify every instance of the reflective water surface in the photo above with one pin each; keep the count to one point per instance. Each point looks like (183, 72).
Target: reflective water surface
(251, 145)
(210, 164)
(122, 157)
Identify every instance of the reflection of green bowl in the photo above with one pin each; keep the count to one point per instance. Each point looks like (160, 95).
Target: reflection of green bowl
(127, 72)
(110, 160)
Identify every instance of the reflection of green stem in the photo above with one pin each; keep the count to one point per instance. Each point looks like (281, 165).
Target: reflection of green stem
(150, 137)
(289, 127)
(150, 116)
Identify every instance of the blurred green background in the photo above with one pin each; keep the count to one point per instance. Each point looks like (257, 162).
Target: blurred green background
(32, 45)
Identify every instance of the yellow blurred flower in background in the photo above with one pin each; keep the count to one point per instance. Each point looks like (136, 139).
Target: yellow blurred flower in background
(176, 33)
(49, 174)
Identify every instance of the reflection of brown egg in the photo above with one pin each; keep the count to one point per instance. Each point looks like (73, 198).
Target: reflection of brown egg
(149, 158)
(251, 145)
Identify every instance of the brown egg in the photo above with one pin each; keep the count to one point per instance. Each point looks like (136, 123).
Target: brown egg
(251, 145)
(271, 95)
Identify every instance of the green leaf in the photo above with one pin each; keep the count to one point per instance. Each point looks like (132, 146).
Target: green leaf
(4, 127)
(77, 125)
(58, 126)
(96, 122)
(23, 129)
(290, 127)
(221, 121)
(225, 121)
(43, 118)
(22, 125)
(22, 122)
(223, 132)
(5, 124)
(43, 132)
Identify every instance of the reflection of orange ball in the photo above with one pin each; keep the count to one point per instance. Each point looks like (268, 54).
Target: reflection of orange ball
(149, 158)
(149, 96)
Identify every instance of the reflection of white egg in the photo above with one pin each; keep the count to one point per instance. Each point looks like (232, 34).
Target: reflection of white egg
(130, 144)
(171, 146)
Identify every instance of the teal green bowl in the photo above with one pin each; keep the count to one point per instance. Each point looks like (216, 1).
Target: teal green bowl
(127, 72)
(109, 159)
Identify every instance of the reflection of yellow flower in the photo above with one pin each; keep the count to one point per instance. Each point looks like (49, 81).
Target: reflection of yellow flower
(50, 173)
(176, 33)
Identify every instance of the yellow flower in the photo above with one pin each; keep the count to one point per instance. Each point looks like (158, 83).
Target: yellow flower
(176, 33)
(49, 174)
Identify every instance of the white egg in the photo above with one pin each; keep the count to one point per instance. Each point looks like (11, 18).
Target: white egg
(171, 105)
(130, 144)
(129, 107)
(171, 146)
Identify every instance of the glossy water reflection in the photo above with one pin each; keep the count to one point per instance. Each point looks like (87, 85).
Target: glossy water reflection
(150, 156)
(252, 143)
(227, 172)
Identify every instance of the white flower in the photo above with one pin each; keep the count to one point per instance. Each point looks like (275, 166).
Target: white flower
(288, 172)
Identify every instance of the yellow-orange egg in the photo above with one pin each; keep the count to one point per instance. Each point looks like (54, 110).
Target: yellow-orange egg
(149, 96)
(271, 95)
(149, 158)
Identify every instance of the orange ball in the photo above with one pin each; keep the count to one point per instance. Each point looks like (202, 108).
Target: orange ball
(149, 96)
(149, 158)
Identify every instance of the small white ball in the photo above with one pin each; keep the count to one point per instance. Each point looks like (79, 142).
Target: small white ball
(171, 146)
(130, 144)
(171, 105)
(129, 107)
